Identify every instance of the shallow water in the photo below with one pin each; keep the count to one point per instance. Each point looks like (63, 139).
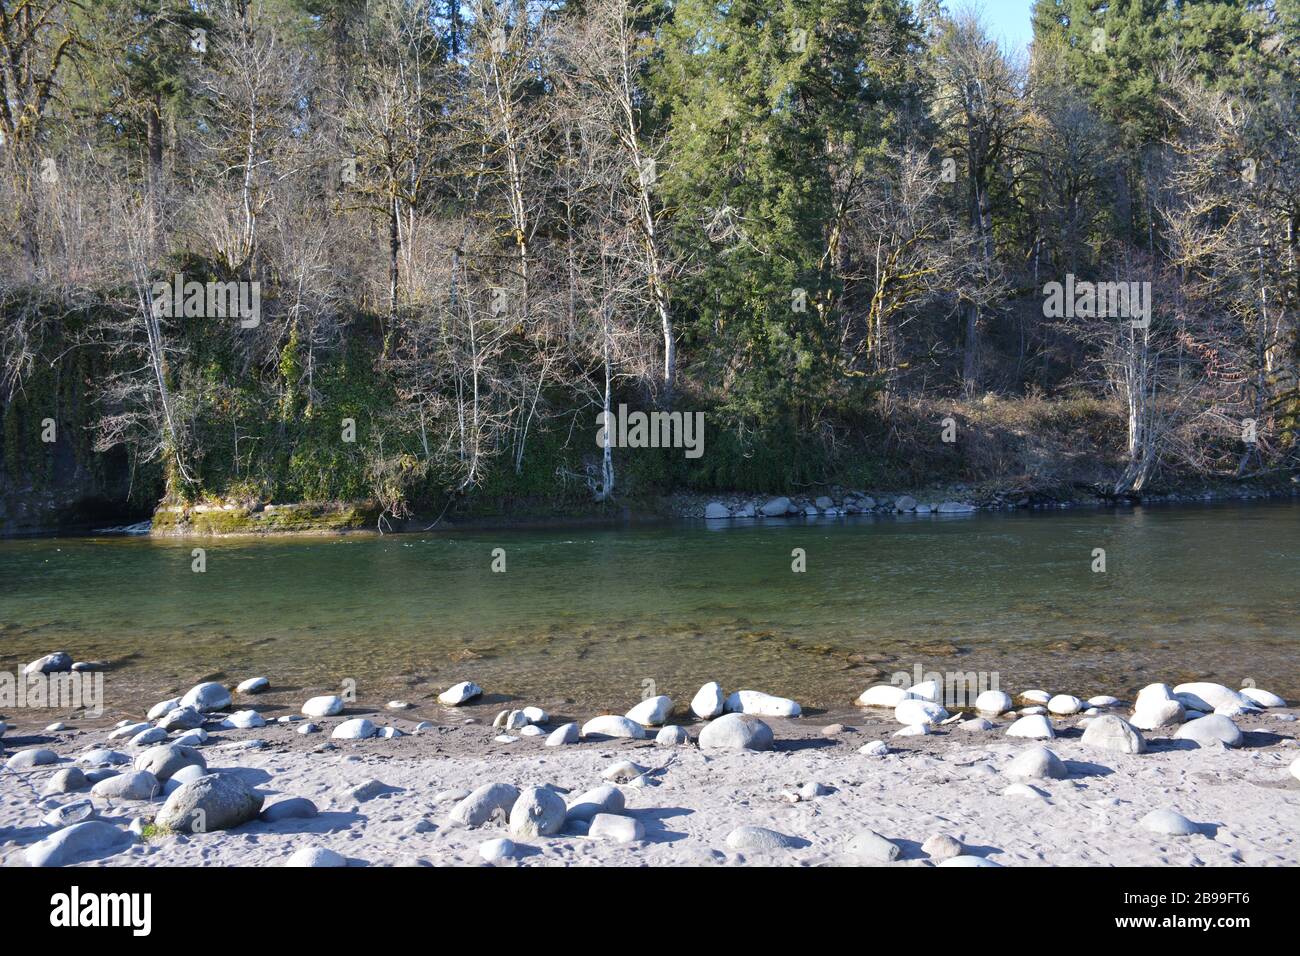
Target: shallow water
(598, 618)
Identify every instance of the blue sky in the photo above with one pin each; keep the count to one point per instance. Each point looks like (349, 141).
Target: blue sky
(1008, 20)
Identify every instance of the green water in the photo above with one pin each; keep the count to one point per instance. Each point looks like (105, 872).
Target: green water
(587, 618)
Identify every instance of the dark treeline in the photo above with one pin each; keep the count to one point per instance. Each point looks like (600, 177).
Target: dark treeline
(831, 225)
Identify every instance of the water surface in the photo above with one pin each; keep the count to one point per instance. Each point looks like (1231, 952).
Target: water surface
(596, 618)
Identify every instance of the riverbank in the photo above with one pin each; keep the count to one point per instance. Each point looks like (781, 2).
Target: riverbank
(237, 518)
(816, 796)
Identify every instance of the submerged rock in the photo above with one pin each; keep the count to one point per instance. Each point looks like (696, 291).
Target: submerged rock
(460, 693)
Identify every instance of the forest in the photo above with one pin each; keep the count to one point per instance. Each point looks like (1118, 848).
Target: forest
(432, 243)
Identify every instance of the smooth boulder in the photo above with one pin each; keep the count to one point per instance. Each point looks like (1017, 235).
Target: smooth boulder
(165, 759)
(218, 801)
(1209, 730)
(708, 701)
(537, 812)
(87, 840)
(327, 705)
(652, 711)
(759, 704)
(1113, 734)
(736, 732)
(610, 725)
(461, 693)
(206, 696)
(488, 801)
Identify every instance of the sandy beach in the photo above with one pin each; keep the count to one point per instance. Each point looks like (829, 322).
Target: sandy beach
(389, 802)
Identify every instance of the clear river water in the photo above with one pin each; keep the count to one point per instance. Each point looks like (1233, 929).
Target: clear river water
(595, 619)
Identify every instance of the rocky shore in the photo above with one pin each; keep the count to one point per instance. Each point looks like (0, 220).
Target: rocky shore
(1195, 774)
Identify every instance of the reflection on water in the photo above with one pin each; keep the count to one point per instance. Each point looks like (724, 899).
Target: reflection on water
(597, 617)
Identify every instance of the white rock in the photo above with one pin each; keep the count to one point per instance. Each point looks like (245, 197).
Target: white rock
(564, 734)
(531, 730)
(488, 801)
(672, 736)
(736, 732)
(1206, 696)
(35, 757)
(388, 733)
(163, 707)
(152, 736)
(1036, 696)
(1262, 698)
(1035, 727)
(708, 701)
(498, 850)
(206, 696)
(244, 720)
(327, 705)
(967, 860)
(1242, 708)
(1064, 705)
(309, 728)
(758, 839)
(129, 730)
(1037, 763)
(132, 785)
(1211, 729)
(316, 856)
(460, 693)
(1152, 693)
(616, 829)
(993, 702)
(398, 705)
(358, 728)
(652, 711)
(1103, 700)
(1031, 711)
(758, 704)
(914, 730)
(715, 509)
(916, 711)
(1113, 734)
(609, 725)
(776, 507)
(883, 695)
(1295, 768)
(977, 724)
(1168, 823)
(603, 799)
(55, 727)
(871, 846)
(181, 718)
(535, 715)
(926, 690)
(876, 748)
(537, 812)
(1154, 713)
(81, 841)
(254, 685)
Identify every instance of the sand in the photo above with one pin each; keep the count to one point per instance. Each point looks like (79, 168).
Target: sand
(1245, 802)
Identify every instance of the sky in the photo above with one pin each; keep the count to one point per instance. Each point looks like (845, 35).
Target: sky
(1007, 20)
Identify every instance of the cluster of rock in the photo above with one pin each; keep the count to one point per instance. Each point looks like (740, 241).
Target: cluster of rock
(1201, 712)
(853, 503)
